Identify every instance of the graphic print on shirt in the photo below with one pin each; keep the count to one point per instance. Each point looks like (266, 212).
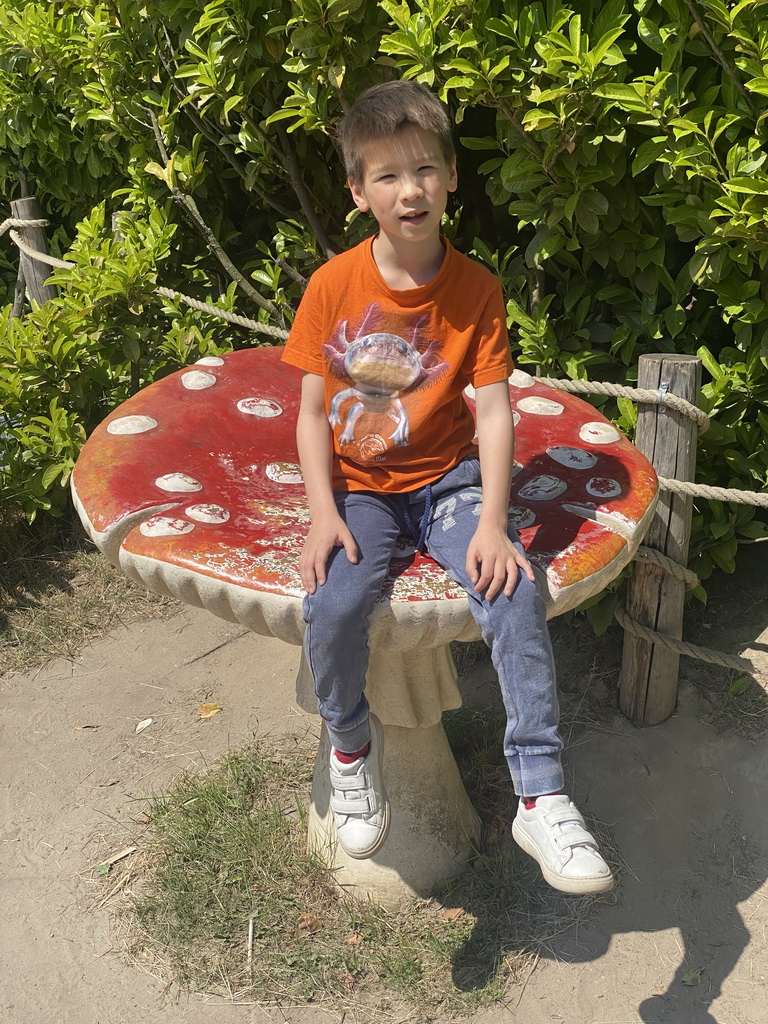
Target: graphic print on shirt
(382, 366)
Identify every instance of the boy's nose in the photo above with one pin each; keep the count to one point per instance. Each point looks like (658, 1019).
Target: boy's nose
(411, 189)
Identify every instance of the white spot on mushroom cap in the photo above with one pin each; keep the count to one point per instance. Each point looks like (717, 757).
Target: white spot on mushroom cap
(164, 526)
(521, 517)
(197, 380)
(210, 361)
(207, 513)
(598, 433)
(264, 407)
(516, 417)
(469, 391)
(178, 482)
(521, 379)
(284, 473)
(131, 425)
(604, 487)
(542, 488)
(575, 458)
(540, 406)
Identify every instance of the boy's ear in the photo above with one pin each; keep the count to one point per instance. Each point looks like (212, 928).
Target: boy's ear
(453, 179)
(357, 194)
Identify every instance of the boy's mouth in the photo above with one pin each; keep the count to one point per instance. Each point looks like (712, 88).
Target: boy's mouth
(414, 218)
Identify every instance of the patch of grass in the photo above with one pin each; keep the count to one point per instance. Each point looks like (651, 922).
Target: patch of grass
(57, 593)
(229, 901)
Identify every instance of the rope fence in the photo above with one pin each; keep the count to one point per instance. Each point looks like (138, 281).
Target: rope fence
(638, 395)
(166, 293)
(660, 397)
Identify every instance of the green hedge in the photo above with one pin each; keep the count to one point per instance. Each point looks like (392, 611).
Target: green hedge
(612, 172)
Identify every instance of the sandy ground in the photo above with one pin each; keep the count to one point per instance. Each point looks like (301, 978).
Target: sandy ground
(685, 801)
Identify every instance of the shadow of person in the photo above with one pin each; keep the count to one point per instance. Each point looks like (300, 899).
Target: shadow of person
(686, 806)
(693, 833)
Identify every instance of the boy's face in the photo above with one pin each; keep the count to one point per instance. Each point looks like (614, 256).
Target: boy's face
(405, 185)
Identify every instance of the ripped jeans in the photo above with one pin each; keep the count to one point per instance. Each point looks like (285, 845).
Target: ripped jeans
(515, 628)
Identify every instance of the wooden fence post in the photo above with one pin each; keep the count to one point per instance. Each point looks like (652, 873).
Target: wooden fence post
(35, 273)
(648, 683)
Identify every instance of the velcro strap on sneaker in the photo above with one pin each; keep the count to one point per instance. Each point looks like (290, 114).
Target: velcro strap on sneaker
(577, 837)
(340, 806)
(347, 782)
(563, 814)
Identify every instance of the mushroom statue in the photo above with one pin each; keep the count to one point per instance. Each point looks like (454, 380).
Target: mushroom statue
(192, 487)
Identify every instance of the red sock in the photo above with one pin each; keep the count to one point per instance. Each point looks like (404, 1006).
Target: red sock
(529, 802)
(349, 758)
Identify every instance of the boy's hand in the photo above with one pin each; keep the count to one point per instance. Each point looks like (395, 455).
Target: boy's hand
(324, 535)
(493, 562)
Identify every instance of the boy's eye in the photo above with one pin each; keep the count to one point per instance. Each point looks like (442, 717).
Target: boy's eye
(427, 167)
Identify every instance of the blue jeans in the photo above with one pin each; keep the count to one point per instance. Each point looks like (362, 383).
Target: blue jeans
(515, 628)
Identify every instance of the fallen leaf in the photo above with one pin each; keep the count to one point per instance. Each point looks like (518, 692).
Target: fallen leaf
(739, 686)
(452, 914)
(87, 727)
(308, 923)
(208, 710)
(692, 977)
(143, 725)
(106, 785)
(349, 981)
(143, 819)
(353, 940)
(102, 869)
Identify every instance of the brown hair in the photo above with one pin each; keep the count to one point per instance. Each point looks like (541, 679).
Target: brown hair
(384, 110)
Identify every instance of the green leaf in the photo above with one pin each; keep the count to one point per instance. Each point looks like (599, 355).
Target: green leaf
(709, 361)
(739, 685)
(545, 243)
(649, 34)
(131, 348)
(692, 977)
(752, 186)
(52, 472)
(648, 153)
(600, 615)
(231, 103)
(157, 171)
(755, 530)
(468, 142)
(625, 95)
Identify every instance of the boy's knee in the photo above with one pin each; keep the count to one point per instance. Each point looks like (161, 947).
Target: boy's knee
(336, 610)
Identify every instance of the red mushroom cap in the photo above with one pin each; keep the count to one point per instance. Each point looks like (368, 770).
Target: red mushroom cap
(198, 474)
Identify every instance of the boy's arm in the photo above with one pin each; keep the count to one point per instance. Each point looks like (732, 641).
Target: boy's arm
(492, 559)
(328, 529)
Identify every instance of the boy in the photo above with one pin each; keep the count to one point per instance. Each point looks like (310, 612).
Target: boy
(389, 334)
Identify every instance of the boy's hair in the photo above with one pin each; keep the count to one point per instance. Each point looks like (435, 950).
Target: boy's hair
(384, 110)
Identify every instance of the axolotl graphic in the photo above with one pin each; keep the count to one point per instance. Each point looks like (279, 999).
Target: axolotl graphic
(382, 367)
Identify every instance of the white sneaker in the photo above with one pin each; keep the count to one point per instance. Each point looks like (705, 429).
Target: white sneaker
(554, 834)
(359, 800)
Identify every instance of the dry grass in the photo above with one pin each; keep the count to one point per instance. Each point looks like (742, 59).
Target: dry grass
(223, 898)
(57, 593)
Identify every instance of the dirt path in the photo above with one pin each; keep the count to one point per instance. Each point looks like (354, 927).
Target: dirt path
(686, 803)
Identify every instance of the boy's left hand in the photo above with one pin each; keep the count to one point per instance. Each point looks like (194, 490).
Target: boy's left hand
(493, 562)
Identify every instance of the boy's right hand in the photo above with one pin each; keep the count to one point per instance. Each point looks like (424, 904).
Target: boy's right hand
(324, 535)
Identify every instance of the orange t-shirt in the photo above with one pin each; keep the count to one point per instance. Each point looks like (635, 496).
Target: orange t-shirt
(395, 364)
